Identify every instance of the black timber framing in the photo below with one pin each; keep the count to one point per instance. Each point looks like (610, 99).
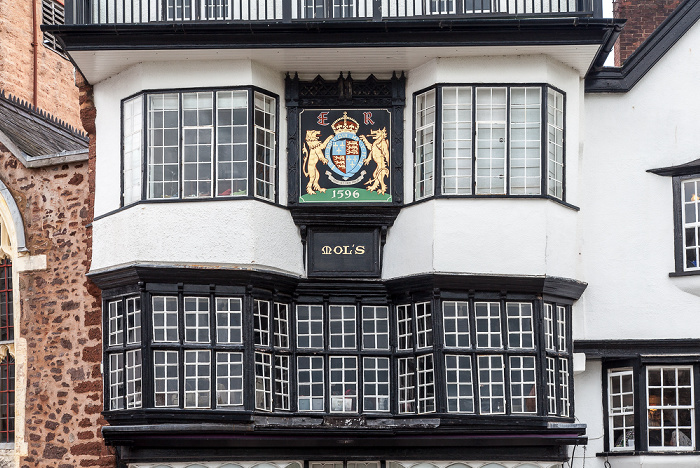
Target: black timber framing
(425, 32)
(624, 349)
(623, 79)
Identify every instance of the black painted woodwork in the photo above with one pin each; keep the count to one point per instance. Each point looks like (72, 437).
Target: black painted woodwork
(623, 349)
(343, 253)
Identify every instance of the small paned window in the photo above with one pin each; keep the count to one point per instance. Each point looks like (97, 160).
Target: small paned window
(134, 376)
(424, 165)
(229, 325)
(520, 329)
(281, 325)
(199, 144)
(404, 319)
(52, 12)
(229, 379)
(424, 325)
(166, 378)
(310, 383)
(561, 328)
(196, 320)
(7, 321)
(523, 384)
(165, 319)
(116, 381)
(659, 400)
(455, 317)
(691, 224)
(375, 327)
(407, 385)
(621, 409)
(551, 385)
(491, 385)
(263, 381)
(564, 402)
(261, 328)
(7, 399)
(116, 323)
(459, 381)
(342, 327)
(670, 408)
(343, 384)
(133, 320)
(309, 326)
(492, 141)
(426, 384)
(376, 384)
(549, 327)
(197, 379)
(282, 389)
(488, 325)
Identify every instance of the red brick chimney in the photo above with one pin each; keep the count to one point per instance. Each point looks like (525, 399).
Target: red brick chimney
(643, 17)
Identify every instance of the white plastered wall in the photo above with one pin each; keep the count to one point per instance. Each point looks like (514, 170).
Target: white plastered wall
(239, 233)
(489, 236)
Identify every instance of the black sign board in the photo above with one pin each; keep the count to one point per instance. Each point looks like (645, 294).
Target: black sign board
(343, 253)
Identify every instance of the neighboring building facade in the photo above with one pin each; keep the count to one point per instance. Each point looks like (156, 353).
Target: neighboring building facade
(50, 382)
(371, 234)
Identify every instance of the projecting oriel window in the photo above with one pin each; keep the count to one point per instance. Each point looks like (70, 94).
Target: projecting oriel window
(489, 140)
(199, 144)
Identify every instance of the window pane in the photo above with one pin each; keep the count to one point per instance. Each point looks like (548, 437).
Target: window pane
(229, 379)
(116, 381)
(670, 408)
(555, 143)
(133, 378)
(376, 384)
(564, 398)
(132, 140)
(281, 325)
(424, 166)
(165, 319)
(375, 327)
(342, 327)
(490, 140)
(621, 409)
(523, 384)
(265, 127)
(229, 328)
(310, 326)
(133, 320)
(343, 384)
(263, 381)
(116, 323)
(198, 144)
(691, 224)
(488, 324)
(310, 383)
(491, 385)
(525, 140)
(424, 325)
(426, 384)
(520, 331)
(407, 389)
(458, 379)
(197, 379)
(457, 140)
(166, 378)
(163, 146)
(405, 326)
(196, 320)
(261, 326)
(456, 324)
(232, 143)
(282, 401)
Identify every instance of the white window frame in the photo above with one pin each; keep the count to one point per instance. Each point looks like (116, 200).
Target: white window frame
(492, 384)
(376, 382)
(458, 374)
(344, 316)
(456, 325)
(424, 325)
(116, 323)
(526, 368)
(424, 155)
(520, 325)
(263, 381)
(457, 128)
(555, 143)
(375, 327)
(404, 326)
(314, 384)
(197, 311)
(229, 320)
(133, 320)
(314, 321)
(281, 320)
(267, 144)
(344, 376)
(116, 381)
(168, 313)
(282, 398)
(690, 203)
(229, 379)
(197, 374)
(261, 323)
(619, 412)
(162, 375)
(675, 408)
(134, 378)
(485, 326)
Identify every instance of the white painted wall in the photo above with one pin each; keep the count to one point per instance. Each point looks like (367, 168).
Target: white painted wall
(626, 224)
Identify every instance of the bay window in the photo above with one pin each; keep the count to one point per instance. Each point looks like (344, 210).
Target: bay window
(489, 140)
(457, 355)
(199, 144)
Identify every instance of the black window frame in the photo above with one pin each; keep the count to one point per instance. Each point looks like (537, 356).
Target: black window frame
(639, 365)
(679, 226)
(249, 295)
(437, 143)
(251, 162)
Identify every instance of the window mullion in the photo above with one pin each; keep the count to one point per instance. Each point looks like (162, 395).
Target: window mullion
(475, 135)
(437, 143)
(544, 143)
(506, 165)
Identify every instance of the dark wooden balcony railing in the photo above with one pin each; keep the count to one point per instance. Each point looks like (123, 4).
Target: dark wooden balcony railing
(175, 11)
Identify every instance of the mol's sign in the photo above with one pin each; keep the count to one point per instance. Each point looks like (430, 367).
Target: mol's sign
(345, 156)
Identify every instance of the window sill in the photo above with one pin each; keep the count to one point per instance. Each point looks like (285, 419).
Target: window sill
(7, 445)
(676, 274)
(635, 453)
(686, 281)
(496, 197)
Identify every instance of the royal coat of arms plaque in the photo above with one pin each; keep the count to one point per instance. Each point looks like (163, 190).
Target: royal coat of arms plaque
(345, 156)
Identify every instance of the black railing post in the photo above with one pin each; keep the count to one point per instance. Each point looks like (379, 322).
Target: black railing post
(377, 10)
(287, 11)
(597, 8)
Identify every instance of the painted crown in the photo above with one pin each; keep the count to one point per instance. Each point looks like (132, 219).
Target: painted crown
(345, 124)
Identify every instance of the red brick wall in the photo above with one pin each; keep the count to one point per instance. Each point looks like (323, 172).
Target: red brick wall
(57, 93)
(643, 17)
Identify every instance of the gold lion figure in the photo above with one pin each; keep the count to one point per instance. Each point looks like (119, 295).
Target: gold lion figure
(311, 158)
(379, 153)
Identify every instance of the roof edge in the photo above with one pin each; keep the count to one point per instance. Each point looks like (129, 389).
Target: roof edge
(623, 79)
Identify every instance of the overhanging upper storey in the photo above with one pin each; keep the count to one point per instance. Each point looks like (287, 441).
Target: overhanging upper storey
(104, 37)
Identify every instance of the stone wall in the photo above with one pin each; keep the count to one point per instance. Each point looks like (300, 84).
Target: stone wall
(643, 17)
(57, 93)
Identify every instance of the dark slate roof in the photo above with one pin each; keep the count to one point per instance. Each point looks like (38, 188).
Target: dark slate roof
(692, 167)
(622, 79)
(36, 132)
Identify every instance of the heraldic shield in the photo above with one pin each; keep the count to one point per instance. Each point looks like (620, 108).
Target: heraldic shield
(345, 156)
